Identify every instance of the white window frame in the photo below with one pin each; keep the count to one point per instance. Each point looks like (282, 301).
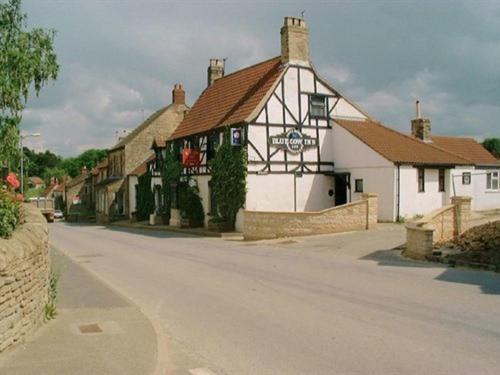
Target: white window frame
(492, 179)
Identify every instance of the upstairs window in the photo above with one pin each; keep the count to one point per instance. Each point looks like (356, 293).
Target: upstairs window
(492, 181)
(441, 180)
(318, 106)
(212, 144)
(421, 180)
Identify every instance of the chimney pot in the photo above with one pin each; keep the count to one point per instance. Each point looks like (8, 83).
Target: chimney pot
(178, 94)
(294, 41)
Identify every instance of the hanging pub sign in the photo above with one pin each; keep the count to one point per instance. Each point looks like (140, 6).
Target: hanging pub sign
(293, 141)
(190, 157)
(236, 136)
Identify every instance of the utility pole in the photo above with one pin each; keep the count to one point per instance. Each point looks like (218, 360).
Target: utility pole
(21, 137)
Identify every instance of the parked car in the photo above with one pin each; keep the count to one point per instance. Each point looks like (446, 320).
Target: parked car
(58, 214)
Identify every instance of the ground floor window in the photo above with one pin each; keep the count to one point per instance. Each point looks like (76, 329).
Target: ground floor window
(492, 181)
(421, 180)
(358, 185)
(466, 178)
(441, 180)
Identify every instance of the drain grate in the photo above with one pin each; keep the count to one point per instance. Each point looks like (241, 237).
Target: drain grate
(90, 328)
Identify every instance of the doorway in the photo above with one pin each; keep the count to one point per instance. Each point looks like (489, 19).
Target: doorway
(342, 183)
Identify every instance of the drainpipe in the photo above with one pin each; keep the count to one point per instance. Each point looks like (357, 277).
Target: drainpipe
(398, 195)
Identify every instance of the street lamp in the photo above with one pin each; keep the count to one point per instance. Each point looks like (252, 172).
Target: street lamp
(21, 137)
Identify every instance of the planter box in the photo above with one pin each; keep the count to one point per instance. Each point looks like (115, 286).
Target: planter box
(220, 226)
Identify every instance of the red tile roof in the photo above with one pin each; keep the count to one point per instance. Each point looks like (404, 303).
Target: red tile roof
(230, 99)
(143, 168)
(466, 148)
(159, 141)
(398, 147)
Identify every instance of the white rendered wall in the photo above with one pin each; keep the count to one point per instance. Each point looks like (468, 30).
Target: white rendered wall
(378, 174)
(413, 202)
(483, 199)
(275, 192)
(132, 204)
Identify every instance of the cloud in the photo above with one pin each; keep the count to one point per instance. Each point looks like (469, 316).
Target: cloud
(121, 58)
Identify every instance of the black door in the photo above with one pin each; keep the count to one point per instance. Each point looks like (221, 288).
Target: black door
(340, 189)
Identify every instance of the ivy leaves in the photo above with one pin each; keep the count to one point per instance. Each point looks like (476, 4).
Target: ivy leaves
(229, 171)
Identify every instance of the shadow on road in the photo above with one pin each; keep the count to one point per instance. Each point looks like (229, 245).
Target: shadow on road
(487, 281)
(139, 231)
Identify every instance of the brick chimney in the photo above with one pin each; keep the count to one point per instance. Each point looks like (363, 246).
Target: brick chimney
(421, 127)
(215, 70)
(294, 41)
(178, 94)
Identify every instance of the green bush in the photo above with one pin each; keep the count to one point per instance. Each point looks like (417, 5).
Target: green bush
(145, 197)
(171, 171)
(191, 206)
(9, 214)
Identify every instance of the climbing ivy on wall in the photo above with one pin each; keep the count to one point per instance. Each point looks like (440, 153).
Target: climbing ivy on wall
(145, 197)
(170, 173)
(229, 172)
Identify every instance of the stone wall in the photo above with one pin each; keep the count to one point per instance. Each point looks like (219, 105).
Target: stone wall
(359, 215)
(24, 274)
(438, 226)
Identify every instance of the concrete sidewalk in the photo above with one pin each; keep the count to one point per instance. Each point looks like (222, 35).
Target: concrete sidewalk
(97, 331)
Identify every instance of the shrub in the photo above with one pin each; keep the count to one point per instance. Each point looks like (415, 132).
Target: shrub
(145, 197)
(191, 206)
(9, 213)
(229, 168)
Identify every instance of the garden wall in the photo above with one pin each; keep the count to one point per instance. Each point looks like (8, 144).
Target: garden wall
(438, 226)
(24, 275)
(359, 215)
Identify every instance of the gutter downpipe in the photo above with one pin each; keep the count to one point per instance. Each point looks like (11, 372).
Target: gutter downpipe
(398, 195)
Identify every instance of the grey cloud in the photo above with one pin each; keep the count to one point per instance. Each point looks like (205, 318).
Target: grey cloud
(118, 57)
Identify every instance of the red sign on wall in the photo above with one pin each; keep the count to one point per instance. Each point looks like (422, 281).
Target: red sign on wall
(190, 157)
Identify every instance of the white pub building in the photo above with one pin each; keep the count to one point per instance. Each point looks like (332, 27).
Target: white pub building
(310, 148)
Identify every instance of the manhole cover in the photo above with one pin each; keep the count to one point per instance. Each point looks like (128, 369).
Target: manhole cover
(90, 328)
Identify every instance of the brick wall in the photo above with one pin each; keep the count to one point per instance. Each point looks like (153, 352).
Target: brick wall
(359, 215)
(24, 273)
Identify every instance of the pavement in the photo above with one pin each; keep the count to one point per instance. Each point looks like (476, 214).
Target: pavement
(96, 331)
(332, 304)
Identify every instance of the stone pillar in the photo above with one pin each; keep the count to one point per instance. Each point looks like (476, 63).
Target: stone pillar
(371, 209)
(419, 241)
(462, 213)
(294, 41)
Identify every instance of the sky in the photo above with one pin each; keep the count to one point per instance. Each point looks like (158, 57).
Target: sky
(119, 60)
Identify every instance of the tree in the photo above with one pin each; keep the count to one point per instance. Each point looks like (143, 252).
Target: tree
(27, 61)
(493, 146)
(53, 172)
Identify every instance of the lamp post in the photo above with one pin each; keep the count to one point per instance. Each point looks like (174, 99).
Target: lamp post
(21, 137)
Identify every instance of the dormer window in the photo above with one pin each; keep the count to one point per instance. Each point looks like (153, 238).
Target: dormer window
(318, 106)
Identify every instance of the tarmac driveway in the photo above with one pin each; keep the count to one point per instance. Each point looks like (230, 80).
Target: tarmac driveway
(337, 304)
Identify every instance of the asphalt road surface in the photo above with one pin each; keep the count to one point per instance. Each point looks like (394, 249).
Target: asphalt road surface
(339, 304)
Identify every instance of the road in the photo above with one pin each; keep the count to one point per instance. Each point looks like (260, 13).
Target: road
(339, 304)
